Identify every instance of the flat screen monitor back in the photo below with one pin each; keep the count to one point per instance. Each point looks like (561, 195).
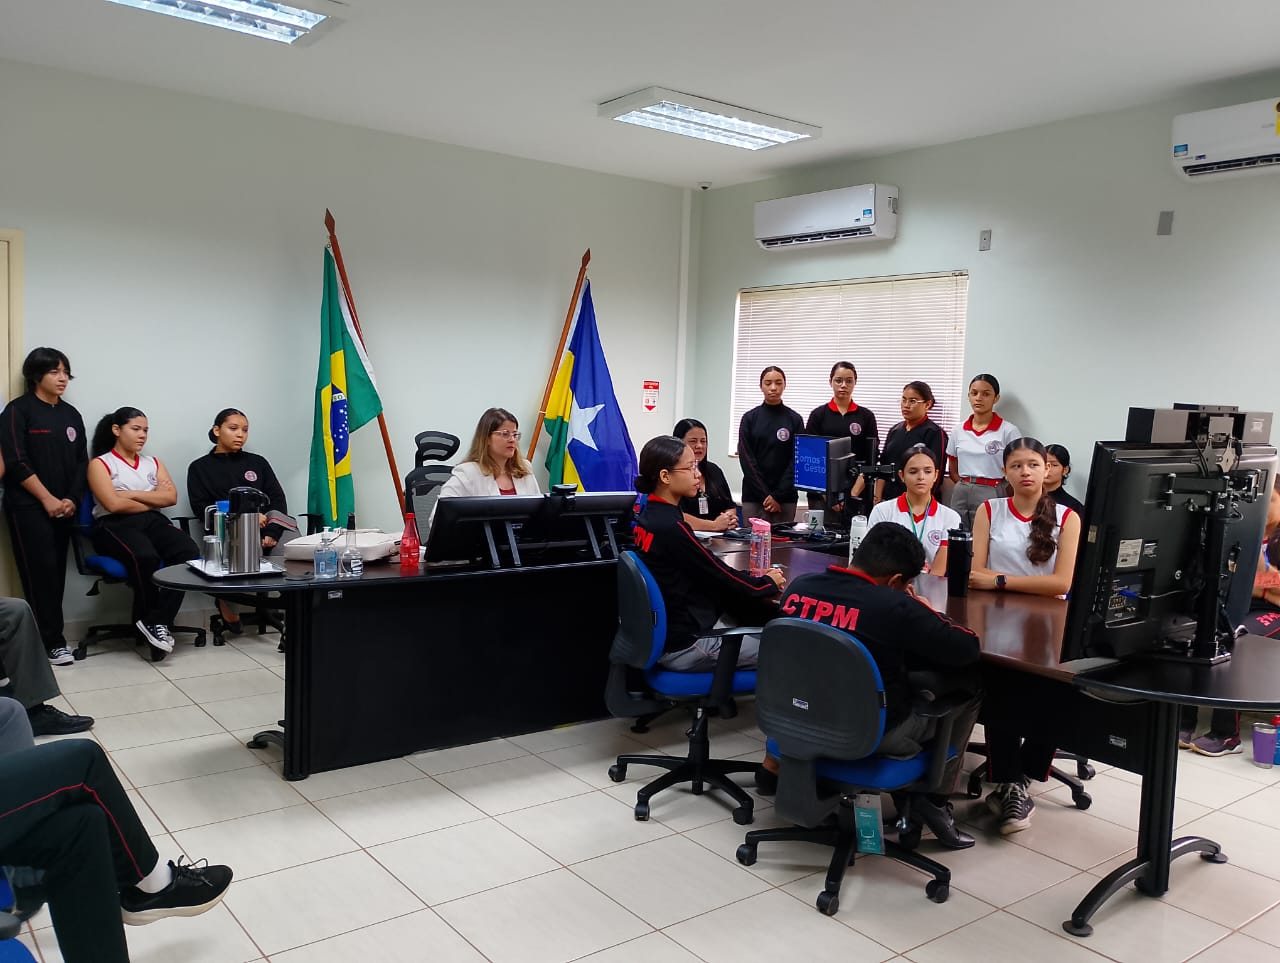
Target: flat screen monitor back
(1130, 589)
(458, 527)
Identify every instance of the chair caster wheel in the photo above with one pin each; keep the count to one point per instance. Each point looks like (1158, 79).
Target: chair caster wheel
(618, 773)
(828, 903)
(910, 839)
(1085, 771)
(640, 727)
(81, 653)
(642, 811)
(746, 854)
(1082, 800)
(937, 891)
(255, 744)
(201, 642)
(744, 815)
(974, 789)
(1218, 857)
(697, 788)
(219, 640)
(157, 655)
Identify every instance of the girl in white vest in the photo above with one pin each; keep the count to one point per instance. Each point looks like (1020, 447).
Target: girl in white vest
(974, 450)
(1025, 543)
(129, 489)
(916, 508)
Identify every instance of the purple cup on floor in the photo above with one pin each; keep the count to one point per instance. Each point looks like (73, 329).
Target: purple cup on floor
(1264, 744)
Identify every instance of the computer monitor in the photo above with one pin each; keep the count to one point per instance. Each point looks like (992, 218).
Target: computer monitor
(1169, 548)
(822, 464)
(480, 529)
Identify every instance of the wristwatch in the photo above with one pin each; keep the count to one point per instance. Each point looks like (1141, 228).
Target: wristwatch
(1001, 581)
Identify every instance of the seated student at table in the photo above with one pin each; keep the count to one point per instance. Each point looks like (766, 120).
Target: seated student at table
(211, 477)
(915, 428)
(698, 589)
(1024, 543)
(902, 633)
(129, 489)
(1057, 465)
(712, 509)
(1223, 737)
(973, 450)
(494, 465)
(917, 509)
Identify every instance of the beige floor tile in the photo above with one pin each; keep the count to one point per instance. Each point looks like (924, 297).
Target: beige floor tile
(1262, 806)
(546, 919)
(310, 903)
(1000, 937)
(1266, 927)
(105, 670)
(183, 759)
(678, 807)
(590, 761)
(124, 700)
(185, 662)
(150, 728)
(562, 737)
(214, 937)
(695, 881)
(502, 787)
(1212, 785)
(231, 685)
(1238, 948)
(465, 757)
(263, 649)
(341, 782)
(248, 712)
(150, 821)
(1129, 928)
(1248, 844)
(773, 926)
(224, 795)
(401, 940)
(582, 827)
(1069, 835)
(451, 863)
(1119, 801)
(1000, 872)
(397, 812)
(776, 862)
(270, 841)
(653, 948)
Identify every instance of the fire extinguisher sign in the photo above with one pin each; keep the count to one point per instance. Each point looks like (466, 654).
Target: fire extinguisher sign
(650, 395)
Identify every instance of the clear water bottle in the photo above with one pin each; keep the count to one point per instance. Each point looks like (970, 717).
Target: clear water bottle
(761, 546)
(351, 564)
(326, 557)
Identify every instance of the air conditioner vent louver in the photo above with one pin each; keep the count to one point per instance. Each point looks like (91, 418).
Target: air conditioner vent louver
(1237, 141)
(819, 238)
(868, 212)
(1243, 164)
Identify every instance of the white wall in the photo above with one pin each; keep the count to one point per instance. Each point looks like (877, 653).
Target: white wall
(1079, 308)
(174, 252)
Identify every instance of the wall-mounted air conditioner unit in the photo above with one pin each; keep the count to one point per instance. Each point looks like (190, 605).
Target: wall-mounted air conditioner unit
(868, 212)
(1228, 141)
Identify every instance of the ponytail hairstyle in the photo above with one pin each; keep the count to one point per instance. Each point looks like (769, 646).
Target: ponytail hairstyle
(774, 367)
(989, 379)
(658, 455)
(222, 416)
(1045, 518)
(104, 439)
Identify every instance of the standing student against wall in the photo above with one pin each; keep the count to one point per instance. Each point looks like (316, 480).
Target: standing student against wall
(975, 459)
(917, 427)
(841, 417)
(767, 451)
(42, 441)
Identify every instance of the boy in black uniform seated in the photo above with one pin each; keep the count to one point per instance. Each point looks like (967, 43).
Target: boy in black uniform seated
(873, 601)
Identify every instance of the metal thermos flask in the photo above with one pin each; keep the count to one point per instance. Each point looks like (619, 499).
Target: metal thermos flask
(244, 533)
(959, 561)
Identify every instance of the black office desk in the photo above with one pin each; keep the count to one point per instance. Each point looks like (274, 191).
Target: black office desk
(394, 663)
(1123, 714)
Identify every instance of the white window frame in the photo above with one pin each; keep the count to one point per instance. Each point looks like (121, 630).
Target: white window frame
(893, 329)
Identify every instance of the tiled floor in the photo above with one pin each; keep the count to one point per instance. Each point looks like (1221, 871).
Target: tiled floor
(521, 850)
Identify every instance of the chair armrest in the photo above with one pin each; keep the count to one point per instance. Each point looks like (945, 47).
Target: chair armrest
(185, 522)
(10, 926)
(314, 522)
(721, 694)
(938, 708)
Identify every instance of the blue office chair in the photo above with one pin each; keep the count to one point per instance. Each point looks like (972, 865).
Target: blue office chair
(105, 570)
(11, 950)
(821, 703)
(637, 646)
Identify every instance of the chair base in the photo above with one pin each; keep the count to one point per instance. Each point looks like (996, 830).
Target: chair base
(842, 836)
(698, 769)
(1079, 795)
(102, 633)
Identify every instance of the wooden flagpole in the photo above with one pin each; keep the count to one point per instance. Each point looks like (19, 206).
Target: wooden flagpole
(555, 364)
(351, 302)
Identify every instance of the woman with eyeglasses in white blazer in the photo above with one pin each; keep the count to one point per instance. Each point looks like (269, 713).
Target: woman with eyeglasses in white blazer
(494, 465)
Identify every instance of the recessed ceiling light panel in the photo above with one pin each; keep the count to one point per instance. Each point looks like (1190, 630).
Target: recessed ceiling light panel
(257, 18)
(711, 120)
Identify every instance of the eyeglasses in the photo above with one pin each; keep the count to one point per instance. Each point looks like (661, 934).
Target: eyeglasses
(692, 468)
(843, 382)
(912, 402)
(507, 435)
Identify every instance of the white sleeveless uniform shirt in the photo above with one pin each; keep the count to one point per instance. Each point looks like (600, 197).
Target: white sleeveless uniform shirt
(931, 529)
(140, 476)
(1011, 535)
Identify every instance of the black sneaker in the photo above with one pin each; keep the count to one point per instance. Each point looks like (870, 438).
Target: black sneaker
(157, 635)
(194, 890)
(1016, 808)
(46, 720)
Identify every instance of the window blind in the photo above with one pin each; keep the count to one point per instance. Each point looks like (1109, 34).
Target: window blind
(894, 330)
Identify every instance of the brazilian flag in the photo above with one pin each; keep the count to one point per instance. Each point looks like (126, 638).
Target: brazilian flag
(346, 399)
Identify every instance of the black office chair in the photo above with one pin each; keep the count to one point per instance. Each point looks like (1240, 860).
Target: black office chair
(434, 446)
(820, 701)
(421, 490)
(105, 570)
(637, 646)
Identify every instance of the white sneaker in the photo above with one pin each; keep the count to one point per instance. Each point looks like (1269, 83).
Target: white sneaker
(152, 634)
(61, 656)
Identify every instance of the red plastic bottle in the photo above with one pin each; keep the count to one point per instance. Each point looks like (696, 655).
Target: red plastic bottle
(409, 544)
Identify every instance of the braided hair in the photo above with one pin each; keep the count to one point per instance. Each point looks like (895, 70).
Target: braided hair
(1044, 519)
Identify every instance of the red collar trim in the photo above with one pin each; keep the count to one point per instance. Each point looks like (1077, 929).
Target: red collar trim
(905, 508)
(853, 406)
(996, 422)
(136, 462)
(1015, 513)
(851, 571)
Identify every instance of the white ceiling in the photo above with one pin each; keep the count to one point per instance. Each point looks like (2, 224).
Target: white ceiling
(524, 78)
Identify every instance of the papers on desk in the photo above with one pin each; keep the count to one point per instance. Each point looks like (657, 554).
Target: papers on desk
(706, 536)
(209, 571)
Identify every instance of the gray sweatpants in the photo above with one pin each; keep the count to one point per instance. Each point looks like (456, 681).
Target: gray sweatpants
(23, 654)
(15, 727)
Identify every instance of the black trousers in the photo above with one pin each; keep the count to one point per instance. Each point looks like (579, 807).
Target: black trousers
(1010, 757)
(40, 546)
(144, 543)
(1223, 722)
(62, 810)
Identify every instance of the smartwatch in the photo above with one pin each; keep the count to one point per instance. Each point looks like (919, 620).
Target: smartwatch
(1001, 581)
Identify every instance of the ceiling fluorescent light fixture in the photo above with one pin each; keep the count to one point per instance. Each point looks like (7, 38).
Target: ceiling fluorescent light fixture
(257, 18)
(710, 120)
